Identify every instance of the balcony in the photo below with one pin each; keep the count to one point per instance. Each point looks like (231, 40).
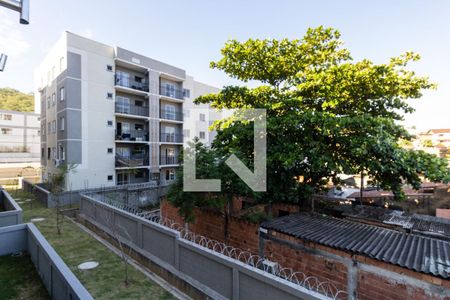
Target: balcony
(132, 161)
(171, 92)
(133, 135)
(168, 160)
(126, 81)
(166, 137)
(171, 115)
(129, 109)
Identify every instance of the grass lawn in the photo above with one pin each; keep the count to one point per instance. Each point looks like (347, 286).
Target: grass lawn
(76, 246)
(24, 284)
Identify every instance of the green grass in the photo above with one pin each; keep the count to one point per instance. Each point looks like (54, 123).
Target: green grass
(76, 246)
(25, 284)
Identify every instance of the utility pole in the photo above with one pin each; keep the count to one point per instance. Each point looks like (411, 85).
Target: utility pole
(21, 6)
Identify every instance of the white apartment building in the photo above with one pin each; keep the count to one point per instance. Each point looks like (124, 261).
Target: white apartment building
(116, 115)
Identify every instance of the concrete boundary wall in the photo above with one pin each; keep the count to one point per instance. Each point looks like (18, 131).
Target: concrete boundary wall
(58, 279)
(216, 275)
(13, 213)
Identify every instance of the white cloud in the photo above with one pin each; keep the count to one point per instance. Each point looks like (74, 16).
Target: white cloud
(12, 41)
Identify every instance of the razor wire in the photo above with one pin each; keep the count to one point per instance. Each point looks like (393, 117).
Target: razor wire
(326, 288)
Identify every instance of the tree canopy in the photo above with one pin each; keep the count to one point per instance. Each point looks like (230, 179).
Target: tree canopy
(326, 114)
(11, 99)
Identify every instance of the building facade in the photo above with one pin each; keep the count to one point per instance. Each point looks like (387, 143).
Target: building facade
(117, 116)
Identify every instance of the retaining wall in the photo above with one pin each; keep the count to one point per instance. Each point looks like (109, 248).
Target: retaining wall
(215, 275)
(12, 213)
(60, 282)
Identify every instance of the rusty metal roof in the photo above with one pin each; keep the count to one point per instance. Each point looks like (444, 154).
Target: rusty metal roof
(415, 252)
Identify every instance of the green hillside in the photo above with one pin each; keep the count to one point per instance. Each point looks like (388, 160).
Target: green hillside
(11, 99)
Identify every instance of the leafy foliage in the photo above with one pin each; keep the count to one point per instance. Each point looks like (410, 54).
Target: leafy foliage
(326, 114)
(11, 99)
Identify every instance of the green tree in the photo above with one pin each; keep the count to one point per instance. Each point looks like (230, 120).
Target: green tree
(326, 114)
(11, 99)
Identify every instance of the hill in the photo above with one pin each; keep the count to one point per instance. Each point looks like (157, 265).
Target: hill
(11, 99)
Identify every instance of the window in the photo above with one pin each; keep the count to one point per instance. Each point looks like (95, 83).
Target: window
(138, 79)
(202, 117)
(186, 93)
(48, 102)
(49, 127)
(53, 99)
(186, 133)
(110, 123)
(170, 112)
(109, 68)
(202, 134)
(61, 64)
(110, 150)
(54, 154)
(138, 103)
(122, 105)
(6, 130)
(109, 95)
(42, 152)
(49, 153)
(110, 178)
(6, 117)
(61, 152)
(170, 90)
(62, 125)
(170, 174)
(62, 94)
(54, 126)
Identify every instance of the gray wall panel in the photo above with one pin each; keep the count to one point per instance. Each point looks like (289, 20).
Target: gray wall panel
(159, 244)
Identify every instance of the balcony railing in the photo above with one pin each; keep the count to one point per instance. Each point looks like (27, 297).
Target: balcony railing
(135, 160)
(168, 160)
(130, 109)
(166, 137)
(171, 92)
(127, 82)
(171, 115)
(133, 135)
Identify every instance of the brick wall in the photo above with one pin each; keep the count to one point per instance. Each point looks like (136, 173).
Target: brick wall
(325, 263)
(443, 213)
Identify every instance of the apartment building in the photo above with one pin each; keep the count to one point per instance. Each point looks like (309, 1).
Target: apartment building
(116, 115)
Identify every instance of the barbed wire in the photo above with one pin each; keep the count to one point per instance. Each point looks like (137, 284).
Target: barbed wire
(312, 283)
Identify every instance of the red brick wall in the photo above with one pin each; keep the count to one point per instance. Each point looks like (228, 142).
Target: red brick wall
(245, 235)
(443, 213)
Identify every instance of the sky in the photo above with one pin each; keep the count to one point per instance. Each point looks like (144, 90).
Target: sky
(189, 34)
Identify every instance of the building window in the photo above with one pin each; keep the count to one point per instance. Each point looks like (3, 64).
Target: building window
(110, 178)
(139, 174)
(6, 117)
(110, 150)
(49, 127)
(42, 152)
(62, 122)
(186, 93)
(48, 102)
(49, 153)
(53, 99)
(54, 154)
(54, 126)
(61, 153)
(109, 68)
(202, 117)
(62, 94)
(61, 64)
(110, 123)
(170, 174)
(6, 130)
(202, 135)
(109, 95)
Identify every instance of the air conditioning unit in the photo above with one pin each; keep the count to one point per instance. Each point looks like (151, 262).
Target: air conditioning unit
(270, 266)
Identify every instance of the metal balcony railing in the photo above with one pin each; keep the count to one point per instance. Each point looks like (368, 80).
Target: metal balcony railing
(135, 160)
(171, 137)
(171, 92)
(130, 109)
(127, 82)
(168, 160)
(171, 115)
(133, 135)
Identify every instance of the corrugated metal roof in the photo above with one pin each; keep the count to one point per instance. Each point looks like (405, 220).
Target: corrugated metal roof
(415, 252)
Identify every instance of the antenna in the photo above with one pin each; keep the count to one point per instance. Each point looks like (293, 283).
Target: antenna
(3, 58)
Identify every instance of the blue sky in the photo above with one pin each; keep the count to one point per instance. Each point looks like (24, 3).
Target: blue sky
(189, 34)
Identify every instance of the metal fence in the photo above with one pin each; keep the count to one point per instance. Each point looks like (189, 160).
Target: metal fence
(56, 276)
(207, 264)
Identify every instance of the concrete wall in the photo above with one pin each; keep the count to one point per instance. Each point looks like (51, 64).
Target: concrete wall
(217, 275)
(13, 213)
(56, 276)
